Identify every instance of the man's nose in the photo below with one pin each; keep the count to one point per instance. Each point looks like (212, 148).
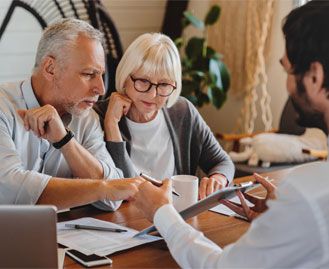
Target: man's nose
(99, 87)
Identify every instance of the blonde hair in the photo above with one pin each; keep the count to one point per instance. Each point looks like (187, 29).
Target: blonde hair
(152, 54)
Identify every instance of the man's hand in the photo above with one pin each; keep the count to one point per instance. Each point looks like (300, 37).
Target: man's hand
(44, 122)
(208, 185)
(118, 106)
(121, 189)
(259, 203)
(150, 198)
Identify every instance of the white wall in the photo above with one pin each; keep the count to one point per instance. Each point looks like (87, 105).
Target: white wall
(18, 44)
(134, 17)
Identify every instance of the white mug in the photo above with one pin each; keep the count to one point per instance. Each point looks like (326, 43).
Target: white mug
(188, 188)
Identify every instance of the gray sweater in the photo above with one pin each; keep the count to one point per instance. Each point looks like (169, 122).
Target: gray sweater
(193, 142)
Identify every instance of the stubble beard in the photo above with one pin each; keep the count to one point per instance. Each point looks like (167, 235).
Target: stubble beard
(68, 106)
(73, 109)
(308, 116)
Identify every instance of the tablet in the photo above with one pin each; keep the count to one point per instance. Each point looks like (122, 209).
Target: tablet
(208, 202)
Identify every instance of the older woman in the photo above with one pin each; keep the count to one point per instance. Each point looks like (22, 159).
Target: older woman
(149, 128)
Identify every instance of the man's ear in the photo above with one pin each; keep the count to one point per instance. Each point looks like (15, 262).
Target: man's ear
(315, 76)
(48, 67)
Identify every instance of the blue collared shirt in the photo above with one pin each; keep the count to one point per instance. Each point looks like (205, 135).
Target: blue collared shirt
(27, 162)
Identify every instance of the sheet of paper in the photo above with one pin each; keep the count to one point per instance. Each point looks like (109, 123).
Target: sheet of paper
(101, 243)
(60, 257)
(222, 209)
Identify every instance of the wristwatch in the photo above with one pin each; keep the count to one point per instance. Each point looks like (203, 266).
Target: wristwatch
(69, 135)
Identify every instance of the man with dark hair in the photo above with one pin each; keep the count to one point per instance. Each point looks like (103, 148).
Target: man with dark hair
(293, 232)
(307, 44)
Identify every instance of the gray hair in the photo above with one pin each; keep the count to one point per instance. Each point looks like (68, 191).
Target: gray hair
(152, 54)
(62, 34)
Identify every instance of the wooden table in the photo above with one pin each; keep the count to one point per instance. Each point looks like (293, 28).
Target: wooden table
(221, 229)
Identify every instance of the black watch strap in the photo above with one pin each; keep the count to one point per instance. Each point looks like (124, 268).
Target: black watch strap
(69, 135)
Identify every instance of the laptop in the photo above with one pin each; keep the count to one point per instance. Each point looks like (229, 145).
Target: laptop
(28, 236)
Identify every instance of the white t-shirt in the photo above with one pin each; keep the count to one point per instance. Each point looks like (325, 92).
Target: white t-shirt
(152, 149)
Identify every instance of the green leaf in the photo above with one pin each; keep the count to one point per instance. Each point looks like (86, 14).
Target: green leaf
(211, 53)
(202, 99)
(179, 42)
(212, 15)
(209, 92)
(225, 76)
(200, 63)
(185, 23)
(194, 20)
(196, 73)
(189, 86)
(217, 96)
(212, 79)
(194, 47)
(192, 99)
(219, 69)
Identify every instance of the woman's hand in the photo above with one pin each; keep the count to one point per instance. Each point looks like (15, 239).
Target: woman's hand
(208, 185)
(118, 106)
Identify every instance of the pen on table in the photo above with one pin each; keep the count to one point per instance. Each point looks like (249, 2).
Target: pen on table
(88, 227)
(156, 182)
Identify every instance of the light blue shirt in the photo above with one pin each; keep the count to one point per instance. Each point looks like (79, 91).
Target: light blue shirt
(27, 162)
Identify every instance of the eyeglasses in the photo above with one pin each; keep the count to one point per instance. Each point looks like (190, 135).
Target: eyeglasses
(144, 85)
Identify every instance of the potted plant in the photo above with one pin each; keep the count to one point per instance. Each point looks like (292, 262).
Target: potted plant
(205, 77)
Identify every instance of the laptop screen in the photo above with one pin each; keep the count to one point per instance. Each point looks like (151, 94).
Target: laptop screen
(28, 236)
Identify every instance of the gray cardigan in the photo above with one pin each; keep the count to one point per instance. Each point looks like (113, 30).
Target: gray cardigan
(193, 142)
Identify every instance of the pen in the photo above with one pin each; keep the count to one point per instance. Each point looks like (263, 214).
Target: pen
(88, 227)
(156, 182)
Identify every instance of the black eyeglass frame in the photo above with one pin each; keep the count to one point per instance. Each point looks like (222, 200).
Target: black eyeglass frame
(151, 85)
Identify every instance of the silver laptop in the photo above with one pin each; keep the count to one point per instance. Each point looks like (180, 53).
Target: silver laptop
(28, 236)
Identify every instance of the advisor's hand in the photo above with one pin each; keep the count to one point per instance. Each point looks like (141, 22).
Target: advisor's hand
(150, 198)
(259, 203)
(44, 122)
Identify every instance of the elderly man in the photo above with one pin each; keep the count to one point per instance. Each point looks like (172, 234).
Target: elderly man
(49, 133)
(293, 232)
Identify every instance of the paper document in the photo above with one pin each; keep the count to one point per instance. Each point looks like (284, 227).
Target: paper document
(222, 209)
(101, 243)
(60, 257)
